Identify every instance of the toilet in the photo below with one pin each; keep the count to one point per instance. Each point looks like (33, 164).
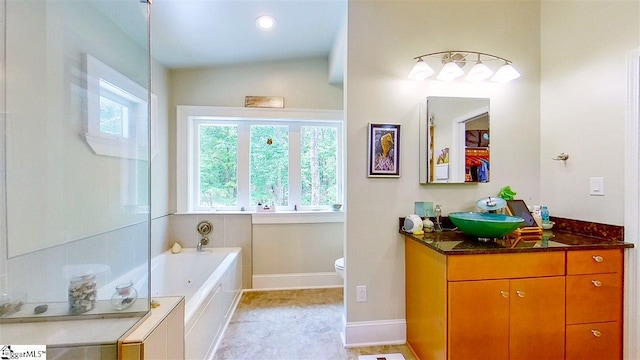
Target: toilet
(339, 265)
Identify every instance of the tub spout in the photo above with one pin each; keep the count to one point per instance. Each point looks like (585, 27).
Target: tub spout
(203, 241)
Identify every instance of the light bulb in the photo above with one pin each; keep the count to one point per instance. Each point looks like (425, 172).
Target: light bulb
(478, 73)
(450, 71)
(420, 71)
(505, 74)
(265, 22)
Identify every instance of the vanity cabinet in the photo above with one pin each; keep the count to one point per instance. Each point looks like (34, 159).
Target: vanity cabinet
(498, 306)
(520, 305)
(517, 319)
(499, 303)
(594, 304)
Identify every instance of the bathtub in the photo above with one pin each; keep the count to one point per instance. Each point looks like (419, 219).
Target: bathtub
(211, 282)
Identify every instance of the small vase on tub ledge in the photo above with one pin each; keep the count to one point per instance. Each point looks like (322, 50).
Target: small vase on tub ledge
(124, 296)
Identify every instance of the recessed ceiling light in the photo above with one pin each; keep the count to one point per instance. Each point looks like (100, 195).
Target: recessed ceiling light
(265, 22)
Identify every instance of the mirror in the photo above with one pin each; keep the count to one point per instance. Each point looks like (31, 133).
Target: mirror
(454, 141)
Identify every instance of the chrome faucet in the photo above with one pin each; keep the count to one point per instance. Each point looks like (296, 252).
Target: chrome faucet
(203, 241)
(204, 228)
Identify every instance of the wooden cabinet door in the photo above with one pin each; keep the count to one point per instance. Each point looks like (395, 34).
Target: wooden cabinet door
(594, 341)
(537, 311)
(594, 298)
(478, 315)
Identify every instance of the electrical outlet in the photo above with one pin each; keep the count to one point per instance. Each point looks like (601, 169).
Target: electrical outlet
(361, 293)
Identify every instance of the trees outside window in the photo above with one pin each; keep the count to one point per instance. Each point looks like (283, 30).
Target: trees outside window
(241, 164)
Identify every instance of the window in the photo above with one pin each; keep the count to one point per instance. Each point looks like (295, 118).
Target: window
(118, 126)
(238, 158)
(269, 167)
(319, 165)
(218, 165)
(117, 114)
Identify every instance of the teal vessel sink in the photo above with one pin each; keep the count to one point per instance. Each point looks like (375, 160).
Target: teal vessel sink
(485, 225)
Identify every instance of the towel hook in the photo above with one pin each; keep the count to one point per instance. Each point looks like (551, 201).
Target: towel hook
(561, 157)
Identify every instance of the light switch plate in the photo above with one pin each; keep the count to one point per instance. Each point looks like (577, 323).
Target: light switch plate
(596, 186)
(361, 293)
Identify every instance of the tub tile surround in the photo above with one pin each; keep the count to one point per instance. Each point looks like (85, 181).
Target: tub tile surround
(267, 247)
(159, 235)
(228, 231)
(67, 334)
(98, 352)
(41, 274)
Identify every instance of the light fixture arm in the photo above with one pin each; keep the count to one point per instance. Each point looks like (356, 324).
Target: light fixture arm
(455, 60)
(448, 52)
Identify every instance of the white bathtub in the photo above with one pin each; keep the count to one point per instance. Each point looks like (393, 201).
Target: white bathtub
(211, 282)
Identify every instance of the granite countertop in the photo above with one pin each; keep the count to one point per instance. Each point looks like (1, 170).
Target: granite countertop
(567, 235)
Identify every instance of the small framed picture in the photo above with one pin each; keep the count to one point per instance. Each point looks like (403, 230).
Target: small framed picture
(384, 150)
(264, 102)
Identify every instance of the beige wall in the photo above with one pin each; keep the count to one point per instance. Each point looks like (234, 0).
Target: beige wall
(296, 248)
(303, 84)
(583, 104)
(378, 61)
(160, 161)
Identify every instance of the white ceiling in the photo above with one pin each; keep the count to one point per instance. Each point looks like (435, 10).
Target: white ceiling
(195, 33)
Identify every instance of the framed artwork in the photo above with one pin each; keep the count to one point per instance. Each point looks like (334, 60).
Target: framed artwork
(384, 150)
(264, 101)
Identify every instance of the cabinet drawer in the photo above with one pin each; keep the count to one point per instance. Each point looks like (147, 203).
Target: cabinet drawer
(504, 266)
(594, 298)
(594, 341)
(594, 261)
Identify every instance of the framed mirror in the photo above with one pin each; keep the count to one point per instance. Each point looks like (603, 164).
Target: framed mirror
(455, 141)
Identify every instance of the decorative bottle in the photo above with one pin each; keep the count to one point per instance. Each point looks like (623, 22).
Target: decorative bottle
(82, 293)
(537, 215)
(544, 213)
(124, 296)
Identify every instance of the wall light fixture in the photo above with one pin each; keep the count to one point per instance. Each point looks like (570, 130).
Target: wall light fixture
(454, 62)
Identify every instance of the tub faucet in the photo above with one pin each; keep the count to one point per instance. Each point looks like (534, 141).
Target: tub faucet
(203, 241)
(204, 228)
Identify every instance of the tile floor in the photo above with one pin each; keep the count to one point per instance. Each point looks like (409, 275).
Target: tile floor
(292, 325)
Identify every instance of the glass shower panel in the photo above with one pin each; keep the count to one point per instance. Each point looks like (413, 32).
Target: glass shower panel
(77, 159)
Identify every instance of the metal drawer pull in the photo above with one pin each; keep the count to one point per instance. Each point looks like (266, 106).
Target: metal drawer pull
(598, 258)
(505, 294)
(596, 333)
(520, 293)
(596, 283)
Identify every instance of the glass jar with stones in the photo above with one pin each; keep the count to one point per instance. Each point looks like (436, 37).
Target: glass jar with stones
(82, 293)
(124, 296)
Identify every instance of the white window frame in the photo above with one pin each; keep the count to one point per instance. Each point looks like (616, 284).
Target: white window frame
(188, 118)
(102, 79)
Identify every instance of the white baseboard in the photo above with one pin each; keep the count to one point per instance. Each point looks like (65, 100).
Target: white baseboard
(374, 333)
(296, 281)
